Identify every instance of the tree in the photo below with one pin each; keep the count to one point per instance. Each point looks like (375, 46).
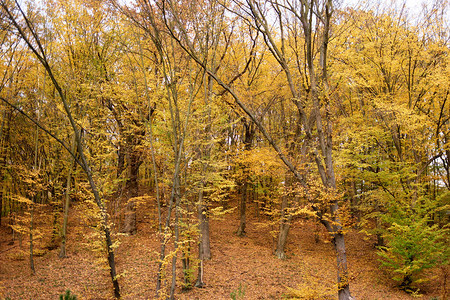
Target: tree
(388, 146)
(308, 12)
(28, 33)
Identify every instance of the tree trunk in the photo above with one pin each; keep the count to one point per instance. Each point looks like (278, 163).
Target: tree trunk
(177, 200)
(249, 133)
(200, 282)
(282, 238)
(204, 231)
(186, 261)
(4, 133)
(285, 224)
(242, 207)
(132, 191)
(204, 249)
(1, 194)
(342, 275)
(130, 217)
(115, 204)
(33, 271)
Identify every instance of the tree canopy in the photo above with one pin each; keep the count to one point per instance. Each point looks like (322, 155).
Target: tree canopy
(188, 111)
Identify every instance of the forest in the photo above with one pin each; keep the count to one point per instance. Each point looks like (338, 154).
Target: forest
(224, 149)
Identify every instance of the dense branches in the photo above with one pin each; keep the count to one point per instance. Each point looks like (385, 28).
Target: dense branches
(187, 110)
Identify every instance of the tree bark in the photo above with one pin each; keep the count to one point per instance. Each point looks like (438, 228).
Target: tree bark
(4, 138)
(249, 133)
(242, 208)
(341, 259)
(33, 270)
(132, 185)
(131, 190)
(285, 224)
(205, 248)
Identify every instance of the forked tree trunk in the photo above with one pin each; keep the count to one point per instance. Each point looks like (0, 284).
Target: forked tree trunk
(285, 224)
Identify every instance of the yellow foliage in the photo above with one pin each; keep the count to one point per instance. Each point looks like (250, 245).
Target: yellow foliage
(311, 291)
(261, 161)
(18, 255)
(218, 213)
(23, 254)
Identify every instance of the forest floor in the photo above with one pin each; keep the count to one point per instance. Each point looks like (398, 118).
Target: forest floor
(243, 267)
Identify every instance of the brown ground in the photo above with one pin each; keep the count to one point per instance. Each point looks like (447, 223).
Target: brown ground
(244, 263)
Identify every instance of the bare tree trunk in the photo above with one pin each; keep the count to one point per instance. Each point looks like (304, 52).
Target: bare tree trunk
(4, 138)
(115, 204)
(177, 199)
(203, 228)
(33, 271)
(204, 249)
(242, 208)
(249, 133)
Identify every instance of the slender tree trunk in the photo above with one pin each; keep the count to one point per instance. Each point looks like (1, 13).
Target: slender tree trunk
(164, 236)
(353, 199)
(203, 226)
(242, 208)
(177, 236)
(4, 138)
(1, 194)
(200, 282)
(186, 261)
(2, 164)
(115, 205)
(33, 271)
(204, 232)
(204, 249)
(249, 133)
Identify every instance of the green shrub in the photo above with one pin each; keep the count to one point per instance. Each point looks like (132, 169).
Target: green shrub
(239, 293)
(67, 296)
(413, 244)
